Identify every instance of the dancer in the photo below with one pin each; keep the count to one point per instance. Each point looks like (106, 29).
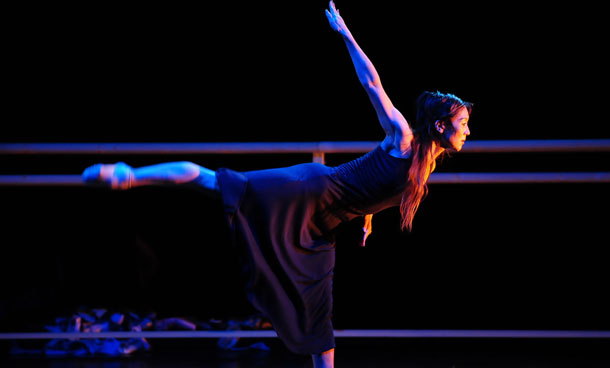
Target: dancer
(284, 219)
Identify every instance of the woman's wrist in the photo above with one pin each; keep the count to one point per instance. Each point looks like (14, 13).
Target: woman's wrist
(346, 35)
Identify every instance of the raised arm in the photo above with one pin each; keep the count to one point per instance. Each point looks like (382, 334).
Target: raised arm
(398, 132)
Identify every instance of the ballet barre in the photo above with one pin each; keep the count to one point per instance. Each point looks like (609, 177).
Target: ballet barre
(435, 178)
(482, 146)
(419, 334)
(318, 151)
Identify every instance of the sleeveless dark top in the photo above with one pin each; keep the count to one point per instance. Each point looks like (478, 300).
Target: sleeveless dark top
(284, 220)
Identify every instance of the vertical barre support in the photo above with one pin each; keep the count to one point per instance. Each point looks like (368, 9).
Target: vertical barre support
(318, 157)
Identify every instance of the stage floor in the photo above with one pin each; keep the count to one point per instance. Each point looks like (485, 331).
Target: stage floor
(420, 353)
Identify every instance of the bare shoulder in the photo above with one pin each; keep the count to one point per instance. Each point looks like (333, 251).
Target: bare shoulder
(398, 145)
(399, 141)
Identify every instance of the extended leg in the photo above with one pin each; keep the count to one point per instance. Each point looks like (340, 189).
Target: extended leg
(122, 176)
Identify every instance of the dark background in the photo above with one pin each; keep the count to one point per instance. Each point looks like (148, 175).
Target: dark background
(480, 256)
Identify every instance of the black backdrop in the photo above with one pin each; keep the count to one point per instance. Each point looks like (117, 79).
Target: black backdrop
(481, 256)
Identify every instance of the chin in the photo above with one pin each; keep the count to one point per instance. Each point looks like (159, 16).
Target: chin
(460, 145)
(456, 147)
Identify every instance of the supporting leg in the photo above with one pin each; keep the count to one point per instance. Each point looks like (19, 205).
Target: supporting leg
(324, 360)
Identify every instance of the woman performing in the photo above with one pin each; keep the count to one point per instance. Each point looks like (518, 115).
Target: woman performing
(284, 219)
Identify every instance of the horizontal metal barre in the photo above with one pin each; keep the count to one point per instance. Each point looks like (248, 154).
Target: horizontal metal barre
(184, 148)
(520, 178)
(511, 334)
(436, 178)
(41, 180)
(483, 146)
(538, 145)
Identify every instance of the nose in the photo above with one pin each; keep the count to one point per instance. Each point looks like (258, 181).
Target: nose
(467, 131)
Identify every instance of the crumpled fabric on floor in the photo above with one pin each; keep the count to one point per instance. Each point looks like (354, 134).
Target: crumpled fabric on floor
(102, 320)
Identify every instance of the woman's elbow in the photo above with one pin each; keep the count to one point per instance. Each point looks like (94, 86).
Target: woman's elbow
(371, 84)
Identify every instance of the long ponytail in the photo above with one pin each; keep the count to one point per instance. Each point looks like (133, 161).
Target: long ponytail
(431, 107)
(417, 188)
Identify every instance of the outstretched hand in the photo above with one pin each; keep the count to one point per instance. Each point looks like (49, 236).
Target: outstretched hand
(335, 20)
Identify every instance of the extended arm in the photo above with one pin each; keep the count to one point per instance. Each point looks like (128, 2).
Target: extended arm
(398, 132)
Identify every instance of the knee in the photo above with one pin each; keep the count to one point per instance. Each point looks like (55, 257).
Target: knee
(189, 168)
(182, 172)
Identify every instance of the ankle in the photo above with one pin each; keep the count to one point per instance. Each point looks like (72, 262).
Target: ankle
(123, 176)
(324, 360)
(116, 176)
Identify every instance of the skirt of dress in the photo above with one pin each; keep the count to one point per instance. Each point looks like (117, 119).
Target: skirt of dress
(275, 221)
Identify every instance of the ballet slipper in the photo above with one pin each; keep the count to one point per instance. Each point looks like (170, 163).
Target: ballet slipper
(115, 176)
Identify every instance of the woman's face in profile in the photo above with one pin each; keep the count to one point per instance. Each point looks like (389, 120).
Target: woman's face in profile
(455, 135)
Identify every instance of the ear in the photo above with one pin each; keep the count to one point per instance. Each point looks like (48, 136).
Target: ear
(439, 125)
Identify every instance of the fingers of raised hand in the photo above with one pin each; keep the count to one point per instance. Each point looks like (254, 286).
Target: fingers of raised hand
(332, 21)
(331, 5)
(333, 9)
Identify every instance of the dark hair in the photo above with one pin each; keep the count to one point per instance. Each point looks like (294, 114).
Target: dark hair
(434, 106)
(431, 107)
